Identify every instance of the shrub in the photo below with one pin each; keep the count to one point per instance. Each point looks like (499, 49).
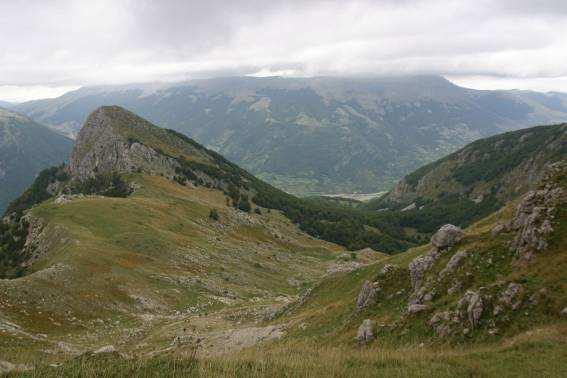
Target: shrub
(214, 214)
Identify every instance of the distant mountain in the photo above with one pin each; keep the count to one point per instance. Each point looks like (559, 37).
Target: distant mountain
(5, 104)
(478, 179)
(312, 135)
(26, 148)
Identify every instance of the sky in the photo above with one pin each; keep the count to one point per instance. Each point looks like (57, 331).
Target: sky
(48, 47)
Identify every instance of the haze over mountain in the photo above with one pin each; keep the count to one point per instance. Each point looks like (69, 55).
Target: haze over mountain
(26, 148)
(318, 134)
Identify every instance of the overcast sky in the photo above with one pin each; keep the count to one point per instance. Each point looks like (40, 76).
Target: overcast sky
(48, 47)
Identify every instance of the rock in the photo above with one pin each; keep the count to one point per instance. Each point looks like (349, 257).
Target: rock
(411, 206)
(457, 286)
(493, 331)
(454, 263)
(388, 268)
(472, 303)
(498, 229)
(365, 332)
(447, 236)
(510, 295)
(367, 295)
(497, 310)
(105, 349)
(100, 147)
(420, 265)
(533, 217)
(422, 295)
(415, 308)
(564, 312)
(440, 323)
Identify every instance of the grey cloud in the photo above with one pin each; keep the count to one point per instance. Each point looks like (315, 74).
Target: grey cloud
(69, 43)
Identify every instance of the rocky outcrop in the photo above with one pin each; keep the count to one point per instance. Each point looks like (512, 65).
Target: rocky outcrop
(420, 265)
(40, 239)
(365, 332)
(447, 236)
(367, 296)
(472, 305)
(533, 220)
(455, 261)
(101, 147)
(511, 296)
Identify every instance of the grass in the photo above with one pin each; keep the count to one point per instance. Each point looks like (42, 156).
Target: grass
(546, 348)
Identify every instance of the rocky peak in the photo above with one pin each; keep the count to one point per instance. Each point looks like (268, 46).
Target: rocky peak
(103, 146)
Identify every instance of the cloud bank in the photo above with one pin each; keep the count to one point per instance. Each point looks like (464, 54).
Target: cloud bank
(63, 44)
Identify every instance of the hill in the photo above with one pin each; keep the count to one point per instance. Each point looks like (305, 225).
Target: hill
(26, 148)
(144, 229)
(477, 180)
(318, 135)
(152, 255)
(497, 287)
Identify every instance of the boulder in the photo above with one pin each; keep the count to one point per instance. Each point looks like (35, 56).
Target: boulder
(447, 236)
(365, 332)
(564, 312)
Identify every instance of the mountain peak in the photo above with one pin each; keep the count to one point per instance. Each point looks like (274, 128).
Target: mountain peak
(114, 139)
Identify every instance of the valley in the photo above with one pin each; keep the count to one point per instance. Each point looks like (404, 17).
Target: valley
(320, 134)
(150, 252)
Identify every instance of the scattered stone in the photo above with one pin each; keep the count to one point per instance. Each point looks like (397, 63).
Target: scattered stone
(365, 332)
(564, 312)
(447, 236)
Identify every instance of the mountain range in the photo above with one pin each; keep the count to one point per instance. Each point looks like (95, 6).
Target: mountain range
(26, 148)
(317, 135)
(150, 254)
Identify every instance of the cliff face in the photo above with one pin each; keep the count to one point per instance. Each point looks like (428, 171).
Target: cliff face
(102, 147)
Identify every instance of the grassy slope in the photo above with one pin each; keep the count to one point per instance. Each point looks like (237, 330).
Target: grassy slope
(118, 261)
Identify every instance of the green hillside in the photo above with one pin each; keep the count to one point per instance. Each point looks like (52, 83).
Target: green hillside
(25, 149)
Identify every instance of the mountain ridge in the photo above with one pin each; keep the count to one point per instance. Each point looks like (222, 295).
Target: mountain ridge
(26, 148)
(312, 135)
